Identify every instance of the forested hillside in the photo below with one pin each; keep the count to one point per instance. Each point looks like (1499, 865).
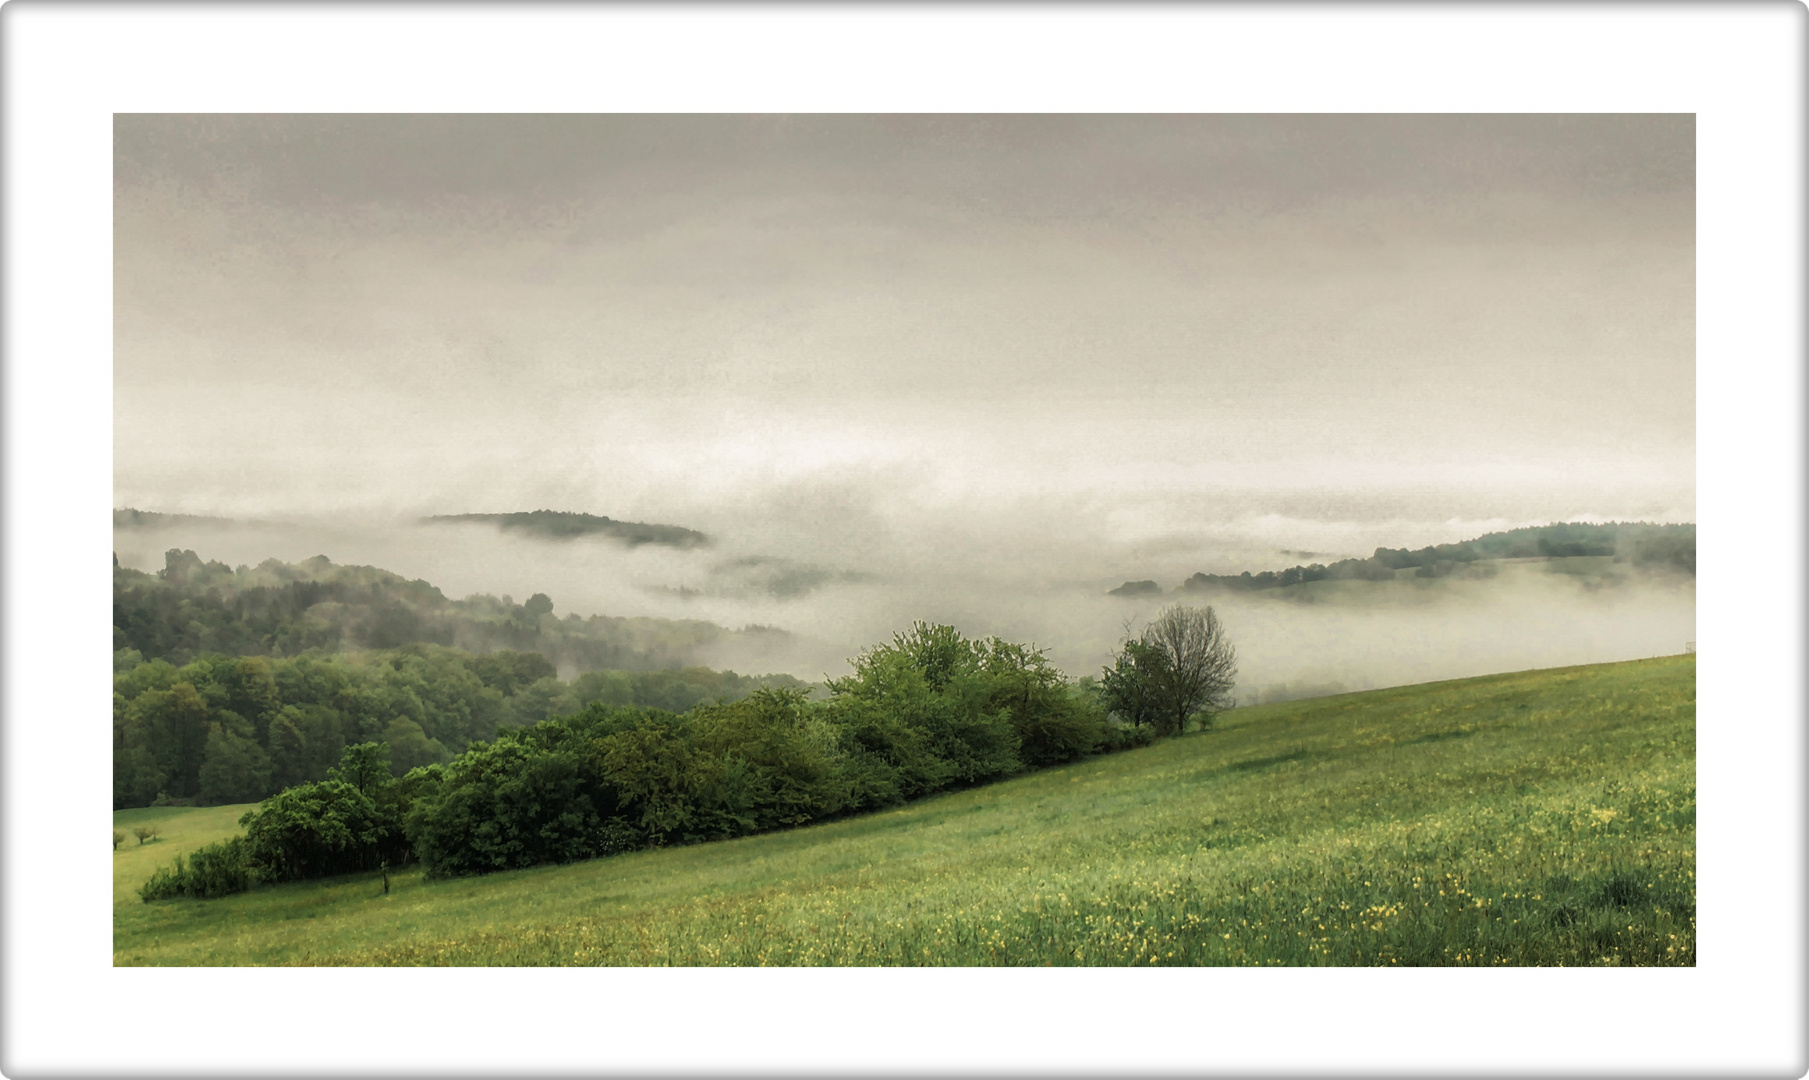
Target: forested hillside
(231, 684)
(1671, 547)
(222, 729)
(191, 608)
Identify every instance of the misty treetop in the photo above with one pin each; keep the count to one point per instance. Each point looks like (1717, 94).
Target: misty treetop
(1641, 544)
(564, 525)
(191, 608)
(222, 729)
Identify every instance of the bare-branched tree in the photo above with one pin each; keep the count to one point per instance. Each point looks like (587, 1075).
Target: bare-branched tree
(1182, 666)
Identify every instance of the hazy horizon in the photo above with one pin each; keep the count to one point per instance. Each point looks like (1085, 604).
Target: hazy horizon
(951, 366)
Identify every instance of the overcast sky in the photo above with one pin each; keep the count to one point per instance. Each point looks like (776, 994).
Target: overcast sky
(1153, 322)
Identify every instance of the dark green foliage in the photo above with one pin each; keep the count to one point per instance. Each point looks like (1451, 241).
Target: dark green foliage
(1054, 722)
(927, 712)
(507, 671)
(349, 822)
(353, 821)
(532, 796)
(773, 762)
(216, 870)
(1129, 688)
(170, 727)
(919, 714)
(364, 767)
(1180, 670)
(931, 710)
(221, 729)
(314, 830)
(136, 777)
(234, 768)
(410, 747)
(1125, 737)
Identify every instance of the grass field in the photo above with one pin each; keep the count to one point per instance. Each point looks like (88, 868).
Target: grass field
(180, 830)
(1545, 817)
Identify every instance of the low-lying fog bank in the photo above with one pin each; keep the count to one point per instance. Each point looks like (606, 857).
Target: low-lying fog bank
(836, 598)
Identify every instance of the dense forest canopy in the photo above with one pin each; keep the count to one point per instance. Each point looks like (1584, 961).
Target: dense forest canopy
(222, 729)
(1641, 544)
(562, 525)
(191, 608)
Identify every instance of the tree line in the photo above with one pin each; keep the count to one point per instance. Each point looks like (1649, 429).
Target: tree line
(223, 729)
(1640, 543)
(930, 711)
(564, 525)
(192, 608)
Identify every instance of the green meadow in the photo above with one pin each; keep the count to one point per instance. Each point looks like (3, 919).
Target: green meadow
(180, 830)
(1537, 818)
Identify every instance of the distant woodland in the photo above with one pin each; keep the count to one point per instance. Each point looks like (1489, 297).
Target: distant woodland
(542, 524)
(1670, 547)
(560, 525)
(231, 683)
(222, 729)
(191, 608)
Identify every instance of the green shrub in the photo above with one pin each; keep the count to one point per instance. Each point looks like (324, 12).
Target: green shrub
(920, 711)
(1054, 721)
(216, 870)
(320, 830)
(768, 760)
(1118, 737)
(531, 797)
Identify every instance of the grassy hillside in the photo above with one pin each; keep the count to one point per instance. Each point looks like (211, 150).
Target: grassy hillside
(180, 830)
(1545, 817)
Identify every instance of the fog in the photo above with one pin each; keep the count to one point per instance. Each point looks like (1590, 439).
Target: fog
(839, 593)
(970, 369)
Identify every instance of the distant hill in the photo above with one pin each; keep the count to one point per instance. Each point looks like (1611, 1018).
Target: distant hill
(191, 608)
(562, 525)
(1640, 543)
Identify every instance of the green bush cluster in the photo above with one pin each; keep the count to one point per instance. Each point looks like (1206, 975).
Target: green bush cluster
(352, 821)
(215, 870)
(931, 711)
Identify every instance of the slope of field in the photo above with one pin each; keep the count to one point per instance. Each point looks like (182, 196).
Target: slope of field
(1544, 817)
(180, 830)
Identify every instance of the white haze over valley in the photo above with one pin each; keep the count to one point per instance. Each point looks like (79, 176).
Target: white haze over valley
(965, 369)
(836, 599)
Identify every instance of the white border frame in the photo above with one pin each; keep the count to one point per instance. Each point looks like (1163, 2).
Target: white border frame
(68, 67)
